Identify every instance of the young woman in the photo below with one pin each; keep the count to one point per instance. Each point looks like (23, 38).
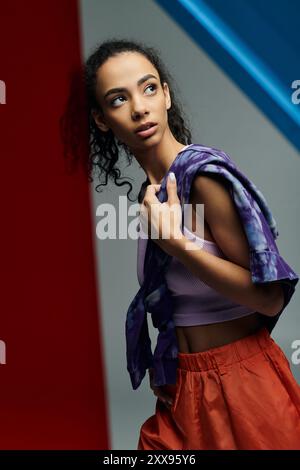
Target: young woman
(234, 387)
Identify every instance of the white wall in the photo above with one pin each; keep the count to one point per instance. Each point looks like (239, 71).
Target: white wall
(221, 117)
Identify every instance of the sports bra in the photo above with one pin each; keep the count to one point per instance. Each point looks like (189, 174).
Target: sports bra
(195, 303)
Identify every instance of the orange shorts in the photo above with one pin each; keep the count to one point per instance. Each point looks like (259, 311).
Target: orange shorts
(240, 396)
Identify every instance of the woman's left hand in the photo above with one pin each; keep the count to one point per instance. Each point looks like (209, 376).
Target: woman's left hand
(162, 221)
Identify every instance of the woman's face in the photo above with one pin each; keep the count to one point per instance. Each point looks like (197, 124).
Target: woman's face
(124, 111)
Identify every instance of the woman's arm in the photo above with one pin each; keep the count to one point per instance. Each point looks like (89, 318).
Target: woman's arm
(232, 277)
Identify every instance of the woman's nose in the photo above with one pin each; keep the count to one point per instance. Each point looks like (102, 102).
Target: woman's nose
(139, 108)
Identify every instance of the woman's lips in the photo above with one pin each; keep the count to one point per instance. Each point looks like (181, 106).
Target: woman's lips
(147, 132)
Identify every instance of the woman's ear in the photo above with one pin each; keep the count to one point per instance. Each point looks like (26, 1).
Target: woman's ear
(167, 95)
(100, 122)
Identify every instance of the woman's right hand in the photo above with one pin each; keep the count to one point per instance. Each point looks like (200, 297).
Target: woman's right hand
(159, 392)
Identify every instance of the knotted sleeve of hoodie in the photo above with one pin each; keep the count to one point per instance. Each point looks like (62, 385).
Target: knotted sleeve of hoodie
(153, 297)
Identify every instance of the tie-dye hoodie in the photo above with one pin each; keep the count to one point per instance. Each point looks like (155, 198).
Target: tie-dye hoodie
(154, 297)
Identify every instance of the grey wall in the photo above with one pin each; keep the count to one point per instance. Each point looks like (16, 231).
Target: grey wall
(221, 117)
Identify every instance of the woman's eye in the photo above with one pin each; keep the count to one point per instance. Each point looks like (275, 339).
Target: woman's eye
(153, 86)
(118, 97)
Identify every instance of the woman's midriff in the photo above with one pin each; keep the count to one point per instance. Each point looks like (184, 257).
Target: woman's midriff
(192, 339)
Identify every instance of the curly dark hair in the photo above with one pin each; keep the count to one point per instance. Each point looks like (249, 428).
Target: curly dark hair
(103, 148)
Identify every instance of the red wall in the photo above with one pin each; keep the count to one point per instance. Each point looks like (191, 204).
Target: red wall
(52, 387)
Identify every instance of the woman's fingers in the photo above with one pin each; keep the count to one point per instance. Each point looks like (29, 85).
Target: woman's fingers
(150, 194)
(161, 395)
(166, 399)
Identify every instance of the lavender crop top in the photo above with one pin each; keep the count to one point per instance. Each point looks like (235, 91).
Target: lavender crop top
(195, 303)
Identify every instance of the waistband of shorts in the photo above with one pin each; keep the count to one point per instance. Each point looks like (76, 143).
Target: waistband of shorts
(227, 354)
